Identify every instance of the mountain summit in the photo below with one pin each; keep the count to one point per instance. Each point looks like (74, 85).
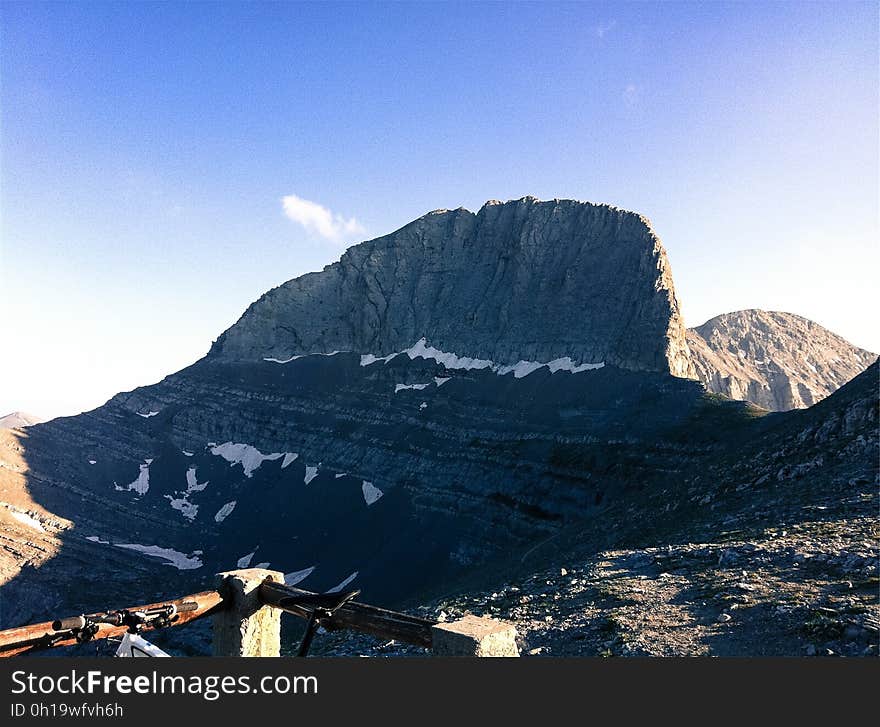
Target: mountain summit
(523, 280)
(778, 361)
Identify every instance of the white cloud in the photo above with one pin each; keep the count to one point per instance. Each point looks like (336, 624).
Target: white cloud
(319, 220)
(600, 30)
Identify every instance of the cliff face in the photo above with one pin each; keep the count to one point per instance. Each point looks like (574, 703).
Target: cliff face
(778, 361)
(517, 281)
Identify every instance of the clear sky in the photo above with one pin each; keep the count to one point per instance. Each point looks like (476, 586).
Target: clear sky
(165, 164)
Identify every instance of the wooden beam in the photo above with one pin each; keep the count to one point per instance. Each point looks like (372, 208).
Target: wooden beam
(42, 636)
(355, 616)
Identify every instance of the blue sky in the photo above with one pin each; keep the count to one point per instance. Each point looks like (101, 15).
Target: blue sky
(158, 160)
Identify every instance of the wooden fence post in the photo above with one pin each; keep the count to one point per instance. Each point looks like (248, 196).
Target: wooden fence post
(474, 636)
(245, 627)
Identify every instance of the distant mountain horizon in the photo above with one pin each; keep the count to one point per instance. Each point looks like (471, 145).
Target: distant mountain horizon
(20, 419)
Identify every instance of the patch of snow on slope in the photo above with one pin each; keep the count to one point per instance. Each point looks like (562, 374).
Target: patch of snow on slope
(566, 364)
(417, 387)
(245, 560)
(142, 484)
(224, 511)
(175, 558)
(188, 509)
(249, 457)
(263, 565)
(288, 458)
(186, 454)
(93, 461)
(339, 474)
(311, 473)
(96, 539)
(371, 492)
(421, 349)
(439, 380)
(301, 355)
(191, 484)
(369, 358)
(148, 415)
(26, 519)
(298, 576)
(423, 405)
(337, 589)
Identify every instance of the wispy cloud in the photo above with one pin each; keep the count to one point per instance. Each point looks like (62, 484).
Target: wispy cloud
(602, 29)
(631, 94)
(319, 220)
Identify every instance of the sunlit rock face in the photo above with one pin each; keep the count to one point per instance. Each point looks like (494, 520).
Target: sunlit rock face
(778, 361)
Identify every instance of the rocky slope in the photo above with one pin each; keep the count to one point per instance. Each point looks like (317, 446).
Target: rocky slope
(778, 361)
(772, 550)
(517, 281)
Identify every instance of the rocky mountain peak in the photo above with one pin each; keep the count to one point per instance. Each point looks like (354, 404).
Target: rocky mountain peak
(777, 360)
(523, 280)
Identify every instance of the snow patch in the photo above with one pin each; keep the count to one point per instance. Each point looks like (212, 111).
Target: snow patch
(337, 589)
(147, 415)
(423, 405)
(26, 519)
(262, 565)
(245, 560)
(339, 474)
(191, 484)
(440, 380)
(288, 458)
(93, 461)
(224, 511)
(96, 539)
(142, 484)
(451, 361)
(369, 358)
(188, 509)
(417, 387)
(301, 355)
(311, 473)
(297, 576)
(371, 493)
(175, 558)
(249, 457)
(186, 454)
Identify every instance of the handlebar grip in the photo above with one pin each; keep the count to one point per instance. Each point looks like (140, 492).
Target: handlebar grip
(66, 624)
(187, 606)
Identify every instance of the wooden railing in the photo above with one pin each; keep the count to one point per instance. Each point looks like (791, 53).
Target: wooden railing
(246, 608)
